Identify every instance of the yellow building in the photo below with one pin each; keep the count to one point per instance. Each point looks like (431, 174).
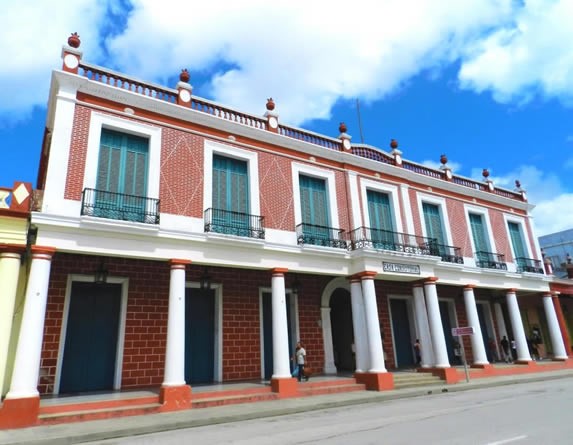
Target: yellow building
(14, 222)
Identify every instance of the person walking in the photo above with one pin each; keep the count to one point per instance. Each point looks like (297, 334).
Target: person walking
(505, 349)
(300, 358)
(418, 352)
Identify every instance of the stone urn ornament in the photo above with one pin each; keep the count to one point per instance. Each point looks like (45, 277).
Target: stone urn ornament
(74, 40)
(184, 76)
(270, 104)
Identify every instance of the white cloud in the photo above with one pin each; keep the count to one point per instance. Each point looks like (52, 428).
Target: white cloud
(31, 40)
(554, 215)
(306, 55)
(531, 56)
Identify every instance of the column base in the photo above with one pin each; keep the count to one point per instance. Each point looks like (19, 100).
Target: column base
(560, 359)
(525, 362)
(18, 413)
(449, 375)
(375, 381)
(175, 398)
(285, 387)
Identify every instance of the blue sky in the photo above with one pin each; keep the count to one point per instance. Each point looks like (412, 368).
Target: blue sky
(489, 83)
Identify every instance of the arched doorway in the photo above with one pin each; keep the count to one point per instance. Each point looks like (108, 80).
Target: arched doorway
(342, 330)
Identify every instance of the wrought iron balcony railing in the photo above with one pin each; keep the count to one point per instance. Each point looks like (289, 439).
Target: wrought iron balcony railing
(529, 265)
(120, 206)
(490, 260)
(320, 236)
(396, 241)
(450, 254)
(234, 223)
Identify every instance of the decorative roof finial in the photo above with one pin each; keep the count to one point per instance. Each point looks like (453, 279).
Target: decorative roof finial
(342, 127)
(485, 173)
(184, 76)
(74, 40)
(443, 159)
(270, 104)
(393, 144)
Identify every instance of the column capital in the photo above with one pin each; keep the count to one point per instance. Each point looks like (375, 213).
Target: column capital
(511, 290)
(555, 294)
(418, 284)
(43, 251)
(12, 248)
(177, 263)
(469, 286)
(366, 275)
(429, 280)
(279, 271)
(353, 278)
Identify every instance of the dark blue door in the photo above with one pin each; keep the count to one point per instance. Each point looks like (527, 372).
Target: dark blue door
(268, 332)
(199, 335)
(447, 325)
(342, 330)
(91, 338)
(401, 330)
(484, 333)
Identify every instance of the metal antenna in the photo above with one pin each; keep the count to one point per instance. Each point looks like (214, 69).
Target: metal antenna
(359, 121)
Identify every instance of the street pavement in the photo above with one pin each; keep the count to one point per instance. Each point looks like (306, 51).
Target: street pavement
(98, 430)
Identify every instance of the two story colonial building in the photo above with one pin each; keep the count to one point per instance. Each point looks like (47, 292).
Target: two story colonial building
(180, 242)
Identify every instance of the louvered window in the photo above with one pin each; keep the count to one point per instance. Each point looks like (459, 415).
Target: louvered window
(314, 207)
(381, 220)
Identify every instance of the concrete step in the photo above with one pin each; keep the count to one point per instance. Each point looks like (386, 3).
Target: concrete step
(414, 379)
(97, 404)
(215, 399)
(97, 414)
(308, 390)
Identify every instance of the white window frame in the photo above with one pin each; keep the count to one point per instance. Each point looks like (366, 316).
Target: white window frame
(99, 121)
(250, 157)
(442, 205)
(484, 212)
(329, 177)
(521, 222)
(394, 195)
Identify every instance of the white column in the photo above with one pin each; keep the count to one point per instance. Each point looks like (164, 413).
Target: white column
(517, 325)
(375, 352)
(329, 366)
(500, 321)
(423, 327)
(9, 272)
(478, 348)
(435, 321)
(359, 325)
(175, 350)
(554, 331)
(29, 350)
(281, 357)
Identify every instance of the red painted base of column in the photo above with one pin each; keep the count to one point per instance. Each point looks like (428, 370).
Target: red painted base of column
(18, 413)
(175, 398)
(285, 387)
(525, 362)
(376, 381)
(449, 375)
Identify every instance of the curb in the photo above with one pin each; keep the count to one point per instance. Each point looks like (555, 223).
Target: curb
(98, 430)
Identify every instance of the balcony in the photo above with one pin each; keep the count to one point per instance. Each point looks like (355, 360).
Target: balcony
(320, 236)
(120, 206)
(450, 254)
(395, 241)
(490, 260)
(234, 223)
(529, 265)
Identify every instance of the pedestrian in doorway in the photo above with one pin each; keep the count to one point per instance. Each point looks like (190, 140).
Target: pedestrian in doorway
(418, 352)
(299, 359)
(514, 349)
(505, 349)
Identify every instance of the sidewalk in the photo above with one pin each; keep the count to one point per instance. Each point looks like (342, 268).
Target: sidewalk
(71, 433)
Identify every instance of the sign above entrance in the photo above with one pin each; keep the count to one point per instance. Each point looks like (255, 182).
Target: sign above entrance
(466, 330)
(401, 268)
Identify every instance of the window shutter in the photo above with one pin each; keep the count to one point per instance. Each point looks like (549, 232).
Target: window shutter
(314, 202)
(516, 240)
(478, 233)
(433, 222)
(380, 211)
